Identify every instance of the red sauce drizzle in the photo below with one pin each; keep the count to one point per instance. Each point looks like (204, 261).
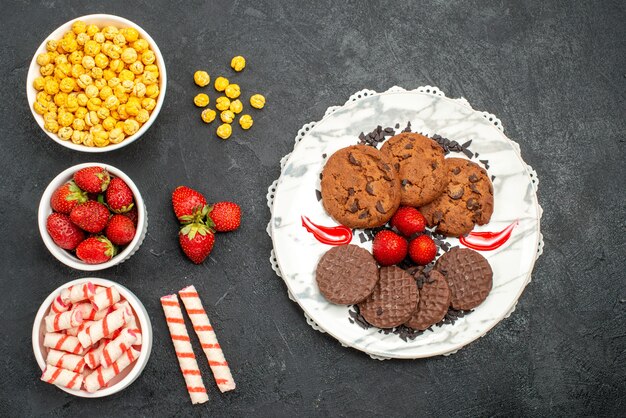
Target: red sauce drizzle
(331, 235)
(487, 241)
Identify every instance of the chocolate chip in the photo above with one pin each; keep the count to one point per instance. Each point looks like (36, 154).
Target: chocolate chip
(397, 166)
(354, 207)
(386, 167)
(473, 178)
(404, 182)
(379, 207)
(408, 146)
(321, 176)
(318, 194)
(379, 311)
(473, 188)
(468, 153)
(364, 214)
(456, 192)
(434, 165)
(472, 204)
(353, 160)
(467, 144)
(405, 156)
(386, 177)
(397, 125)
(362, 136)
(351, 191)
(369, 189)
(456, 170)
(389, 130)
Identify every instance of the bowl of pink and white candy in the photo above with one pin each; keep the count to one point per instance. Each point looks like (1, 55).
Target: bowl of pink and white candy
(92, 337)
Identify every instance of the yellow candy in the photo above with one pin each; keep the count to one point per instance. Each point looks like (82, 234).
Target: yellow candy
(40, 108)
(148, 57)
(141, 45)
(224, 131)
(131, 34)
(77, 71)
(201, 100)
(51, 87)
(221, 83)
(119, 40)
(51, 126)
(222, 103)
(79, 27)
(103, 113)
(201, 78)
(109, 123)
(76, 57)
(152, 91)
(94, 103)
(77, 137)
(208, 115)
(60, 99)
(133, 108)
(91, 48)
(116, 135)
(92, 119)
(227, 116)
(129, 55)
(142, 116)
(91, 91)
(257, 101)
(43, 59)
(67, 85)
(71, 103)
(238, 63)
(46, 70)
(52, 45)
(39, 83)
(65, 133)
(92, 30)
(131, 126)
(82, 99)
(246, 122)
(136, 67)
(148, 103)
(111, 102)
(100, 138)
(232, 91)
(236, 106)
(78, 124)
(65, 119)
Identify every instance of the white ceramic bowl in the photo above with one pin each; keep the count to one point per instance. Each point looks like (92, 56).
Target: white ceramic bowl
(100, 20)
(130, 374)
(67, 257)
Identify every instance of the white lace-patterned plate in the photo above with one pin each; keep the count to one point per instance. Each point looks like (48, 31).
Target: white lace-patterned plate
(297, 252)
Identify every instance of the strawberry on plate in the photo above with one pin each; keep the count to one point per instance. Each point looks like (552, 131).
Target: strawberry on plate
(93, 179)
(422, 250)
(96, 250)
(196, 240)
(66, 197)
(389, 248)
(133, 215)
(120, 230)
(118, 196)
(226, 216)
(189, 205)
(408, 221)
(63, 232)
(90, 216)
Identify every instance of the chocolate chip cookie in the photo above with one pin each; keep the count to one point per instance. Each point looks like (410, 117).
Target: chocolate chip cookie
(393, 300)
(468, 275)
(360, 188)
(420, 164)
(467, 200)
(433, 303)
(346, 274)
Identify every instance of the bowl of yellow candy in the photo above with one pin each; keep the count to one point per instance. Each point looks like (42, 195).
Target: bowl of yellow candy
(97, 83)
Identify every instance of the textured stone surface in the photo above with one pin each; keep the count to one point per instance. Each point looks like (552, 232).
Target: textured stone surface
(554, 72)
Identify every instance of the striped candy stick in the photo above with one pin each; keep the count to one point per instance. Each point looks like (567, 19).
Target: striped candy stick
(78, 293)
(92, 357)
(90, 313)
(59, 306)
(100, 329)
(105, 297)
(75, 330)
(208, 339)
(184, 352)
(62, 377)
(66, 361)
(62, 342)
(63, 320)
(117, 347)
(103, 375)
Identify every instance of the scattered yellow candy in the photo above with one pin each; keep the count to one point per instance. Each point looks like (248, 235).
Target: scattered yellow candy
(232, 91)
(238, 63)
(201, 100)
(236, 106)
(257, 101)
(223, 131)
(222, 103)
(227, 116)
(246, 122)
(201, 78)
(221, 83)
(208, 115)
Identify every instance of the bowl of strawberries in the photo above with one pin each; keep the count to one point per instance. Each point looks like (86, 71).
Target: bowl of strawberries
(92, 217)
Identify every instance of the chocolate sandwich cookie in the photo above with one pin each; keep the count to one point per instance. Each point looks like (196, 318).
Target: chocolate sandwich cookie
(346, 274)
(433, 303)
(469, 277)
(467, 201)
(393, 300)
(360, 188)
(420, 164)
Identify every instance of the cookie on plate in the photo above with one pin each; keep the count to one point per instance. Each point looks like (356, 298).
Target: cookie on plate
(346, 274)
(393, 300)
(420, 164)
(433, 303)
(467, 200)
(360, 188)
(468, 275)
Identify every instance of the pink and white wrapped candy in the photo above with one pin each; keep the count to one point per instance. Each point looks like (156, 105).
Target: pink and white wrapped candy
(105, 297)
(90, 313)
(63, 320)
(117, 347)
(62, 377)
(59, 306)
(208, 339)
(75, 330)
(102, 375)
(92, 357)
(62, 342)
(66, 361)
(78, 293)
(103, 327)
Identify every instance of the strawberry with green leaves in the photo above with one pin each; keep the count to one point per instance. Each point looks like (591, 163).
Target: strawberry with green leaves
(196, 240)
(120, 230)
(118, 196)
(63, 232)
(96, 250)
(66, 197)
(226, 216)
(90, 216)
(189, 205)
(94, 179)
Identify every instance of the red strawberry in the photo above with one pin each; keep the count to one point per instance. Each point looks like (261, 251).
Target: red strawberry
(226, 216)
(133, 215)
(188, 204)
(389, 248)
(63, 232)
(90, 216)
(408, 221)
(92, 179)
(120, 230)
(96, 250)
(66, 197)
(422, 250)
(119, 197)
(197, 241)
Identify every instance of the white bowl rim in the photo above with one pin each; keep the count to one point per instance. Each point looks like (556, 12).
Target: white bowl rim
(146, 335)
(94, 18)
(63, 255)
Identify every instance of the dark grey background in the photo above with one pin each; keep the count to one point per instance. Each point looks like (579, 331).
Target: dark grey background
(554, 72)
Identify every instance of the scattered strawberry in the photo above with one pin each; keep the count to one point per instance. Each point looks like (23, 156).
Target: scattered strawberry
(422, 250)
(389, 248)
(66, 197)
(90, 216)
(188, 204)
(96, 250)
(133, 215)
(63, 232)
(120, 230)
(197, 241)
(119, 197)
(93, 179)
(226, 216)
(408, 221)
